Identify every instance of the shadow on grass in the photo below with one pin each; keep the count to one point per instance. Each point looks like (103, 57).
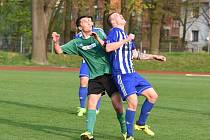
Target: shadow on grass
(184, 110)
(39, 107)
(59, 131)
(66, 132)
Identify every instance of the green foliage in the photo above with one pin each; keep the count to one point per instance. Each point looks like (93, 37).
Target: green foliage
(64, 60)
(84, 4)
(14, 59)
(15, 17)
(42, 106)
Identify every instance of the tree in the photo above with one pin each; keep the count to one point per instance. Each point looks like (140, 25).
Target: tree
(192, 12)
(127, 7)
(106, 13)
(41, 14)
(67, 20)
(156, 15)
(135, 19)
(83, 7)
(15, 17)
(159, 11)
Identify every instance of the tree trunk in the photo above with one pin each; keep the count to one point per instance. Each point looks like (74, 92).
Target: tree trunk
(39, 51)
(209, 30)
(41, 14)
(67, 27)
(52, 22)
(106, 13)
(156, 18)
(135, 19)
(126, 13)
(155, 38)
(184, 27)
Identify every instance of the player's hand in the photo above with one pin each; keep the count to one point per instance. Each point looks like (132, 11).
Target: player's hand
(160, 57)
(55, 37)
(94, 35)
(131, 37)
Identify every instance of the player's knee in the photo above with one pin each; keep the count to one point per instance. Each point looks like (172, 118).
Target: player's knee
(132, 105)
(118, 108)
(92, 102)
(132, 102)
(117, 103)
(84, 81)
(153, 97)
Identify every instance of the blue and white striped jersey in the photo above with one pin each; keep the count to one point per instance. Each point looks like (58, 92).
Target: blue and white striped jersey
(120, 59)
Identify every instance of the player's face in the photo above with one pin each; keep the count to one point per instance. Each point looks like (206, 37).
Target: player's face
(119, 19)
(86, 24)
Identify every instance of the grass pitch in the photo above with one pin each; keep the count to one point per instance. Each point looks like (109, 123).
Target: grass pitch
(42, 106)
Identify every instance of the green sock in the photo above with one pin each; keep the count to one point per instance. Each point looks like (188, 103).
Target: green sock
(91, 119)
(121, 119)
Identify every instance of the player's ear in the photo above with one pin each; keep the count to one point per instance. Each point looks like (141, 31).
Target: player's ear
(79, 28)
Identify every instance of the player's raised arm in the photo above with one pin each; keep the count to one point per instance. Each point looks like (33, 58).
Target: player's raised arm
(115, 45)
(56, 38)
(141, 56)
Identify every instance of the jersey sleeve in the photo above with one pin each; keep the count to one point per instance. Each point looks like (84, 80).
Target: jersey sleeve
(101, 34)
(70, 47)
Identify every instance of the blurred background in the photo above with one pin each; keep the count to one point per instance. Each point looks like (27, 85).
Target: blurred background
(159, 25)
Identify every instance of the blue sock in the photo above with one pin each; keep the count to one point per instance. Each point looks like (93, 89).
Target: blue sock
(98, 104)
(82, 96)
(129, 118)
(145, 110)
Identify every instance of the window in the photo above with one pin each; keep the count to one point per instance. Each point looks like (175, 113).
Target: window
(194, 36)
(195, 12)
(97, 14)
(176, 24)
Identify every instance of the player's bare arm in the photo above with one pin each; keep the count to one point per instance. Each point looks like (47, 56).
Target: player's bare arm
(141, 56)
(56, 38)
(115, 45)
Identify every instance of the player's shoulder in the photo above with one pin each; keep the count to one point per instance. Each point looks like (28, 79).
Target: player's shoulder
(78, 35)
(97, 29)
(100, 32)
(114, 31)
(76, 41)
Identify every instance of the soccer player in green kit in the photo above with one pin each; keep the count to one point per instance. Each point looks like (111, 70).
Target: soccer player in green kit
(100, 72)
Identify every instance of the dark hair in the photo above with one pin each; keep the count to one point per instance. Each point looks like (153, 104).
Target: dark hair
(108, 19)
(79, 19)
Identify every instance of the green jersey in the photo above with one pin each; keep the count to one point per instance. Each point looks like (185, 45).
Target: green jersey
(93, 53)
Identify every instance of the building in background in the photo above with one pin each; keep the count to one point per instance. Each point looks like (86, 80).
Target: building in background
(197, 27)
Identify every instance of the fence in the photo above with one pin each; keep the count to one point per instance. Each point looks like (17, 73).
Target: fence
(16, 44)
(24, 45)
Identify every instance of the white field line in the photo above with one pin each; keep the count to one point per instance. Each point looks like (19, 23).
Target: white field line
(202, 75)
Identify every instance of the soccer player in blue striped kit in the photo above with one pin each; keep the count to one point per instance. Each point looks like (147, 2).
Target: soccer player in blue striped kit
(121, 50)
(84, 77)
